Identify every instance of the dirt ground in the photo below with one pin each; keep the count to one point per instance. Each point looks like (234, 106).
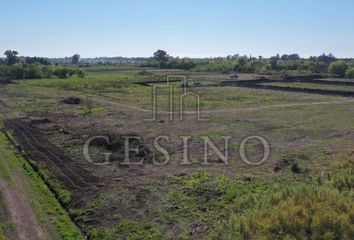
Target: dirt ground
(19, 209)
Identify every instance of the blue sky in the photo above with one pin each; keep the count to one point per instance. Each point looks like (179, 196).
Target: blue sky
(194, 28)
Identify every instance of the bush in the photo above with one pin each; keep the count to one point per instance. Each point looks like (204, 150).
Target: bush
(16, 71)
(80, 73)
(32, 72)
(36, 71)
(338, 68)
(350, 73)
(47, 71)
(64, 72)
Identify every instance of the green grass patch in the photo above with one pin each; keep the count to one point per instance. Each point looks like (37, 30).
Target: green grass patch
(2, 236)
(4, 174)
(128, 229)
(236, 209)
(304, 212)
(43, 200)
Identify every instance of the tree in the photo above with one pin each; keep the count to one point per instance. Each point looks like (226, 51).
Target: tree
(11, 57)
(31, 60)
(326, 58)
(291, 57)
(338, 68)
(160, 56)
(350, 73)
(241, 63)
(61, 73)
(75, 59)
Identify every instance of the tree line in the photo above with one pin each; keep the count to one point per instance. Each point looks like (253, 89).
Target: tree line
(15, 67)
(286, 64)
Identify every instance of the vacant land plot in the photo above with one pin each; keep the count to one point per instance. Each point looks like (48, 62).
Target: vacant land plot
(310, 165)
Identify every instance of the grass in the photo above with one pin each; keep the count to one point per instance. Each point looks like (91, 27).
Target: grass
(234, 209)
(303, 212)
(215, 203)
(2, 237)
(7, 227)
(4, 173)
(42, 199)
(121, 87)
(128, 229)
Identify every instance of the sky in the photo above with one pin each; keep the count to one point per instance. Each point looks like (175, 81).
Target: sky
(185, 28)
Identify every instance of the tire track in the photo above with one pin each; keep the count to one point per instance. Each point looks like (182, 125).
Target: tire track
(74, 180)
(53, 164)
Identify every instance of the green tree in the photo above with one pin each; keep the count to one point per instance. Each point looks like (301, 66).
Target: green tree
(31, 60)
(350, 73)
(75, 59)
(241, 63)
(160, 56)
(11, 57)
(338, 68)
(33, 71)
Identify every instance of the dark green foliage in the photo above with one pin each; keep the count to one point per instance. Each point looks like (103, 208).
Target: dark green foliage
(160, 56)
(30, 60)
(291, 57)
(162, 60)
(75, 59)
(37, 71)
(338, 68)
(171, 63)
(350, 73)
(324, 58)
(244, 64)
(33, 71)
(80, 73)
(11, 57)
(63, 72)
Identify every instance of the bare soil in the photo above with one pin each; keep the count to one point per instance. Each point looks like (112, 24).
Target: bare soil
(20, 209)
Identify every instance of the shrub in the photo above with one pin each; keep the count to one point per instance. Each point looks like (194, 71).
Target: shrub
(63, 72)
(47, 71)
(16, 71)
(338, 68)
(33, 72)
(36, 71)
(350, 73)
(80, 73)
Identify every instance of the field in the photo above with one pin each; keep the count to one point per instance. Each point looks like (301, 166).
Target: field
(303, 191)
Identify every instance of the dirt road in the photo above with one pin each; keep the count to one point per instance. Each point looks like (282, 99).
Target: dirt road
(19, 206)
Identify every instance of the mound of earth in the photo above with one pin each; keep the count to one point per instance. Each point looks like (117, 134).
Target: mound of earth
(72, 100)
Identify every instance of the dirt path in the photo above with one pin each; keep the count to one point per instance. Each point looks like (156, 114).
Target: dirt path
(228, 110)
(21, 210)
